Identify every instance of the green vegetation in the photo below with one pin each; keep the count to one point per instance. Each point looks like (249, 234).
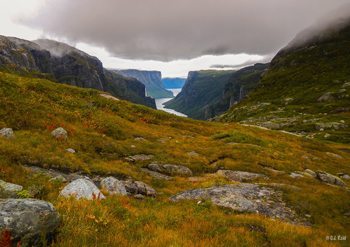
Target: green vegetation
(103, 133)
(305, 90)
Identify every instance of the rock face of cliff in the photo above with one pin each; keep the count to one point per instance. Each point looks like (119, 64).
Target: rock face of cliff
(202, 89)
(152, 81)
(65, 64)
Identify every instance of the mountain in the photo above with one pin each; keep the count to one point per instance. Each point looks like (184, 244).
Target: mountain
(306, 88)
(202, 88)
(173, 83)
(65, 64)
(151, 79)
(237, 88)
(250, 184)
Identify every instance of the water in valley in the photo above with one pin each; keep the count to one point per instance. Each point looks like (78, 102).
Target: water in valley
(160, 103)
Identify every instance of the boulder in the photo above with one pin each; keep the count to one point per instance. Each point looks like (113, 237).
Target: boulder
(240, 176)
(60, 133)
(243, 197)
(171, 170)
(82, 189)
(138, 187)
(7, 133)
(28, 220)
(113, 186)
(329, 178)
(9, 190)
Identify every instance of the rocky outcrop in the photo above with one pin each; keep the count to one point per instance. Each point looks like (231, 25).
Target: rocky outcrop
(171, 170)
(60, 133)
(28, 221)
(139, 157)
(138, 187)
(113, 186)
(82, 189)
(65, 64)
(7, 133)
(152, 81)
(329, 178)
(245, 198)
(9, 189)
(240, 176)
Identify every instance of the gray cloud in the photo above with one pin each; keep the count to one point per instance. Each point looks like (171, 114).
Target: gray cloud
(167, 30)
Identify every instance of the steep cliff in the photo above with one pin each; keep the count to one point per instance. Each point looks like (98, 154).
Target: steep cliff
(306, 88)
(151, 79)
(202, 88)
(65, 64)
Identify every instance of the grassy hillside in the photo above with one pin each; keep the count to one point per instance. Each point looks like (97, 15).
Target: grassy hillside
(105, 131)
(201, 89)
(305, 90)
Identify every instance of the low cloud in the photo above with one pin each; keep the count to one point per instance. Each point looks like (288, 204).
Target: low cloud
(182, 29)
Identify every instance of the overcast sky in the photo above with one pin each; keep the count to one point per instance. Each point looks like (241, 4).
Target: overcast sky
(172, 36)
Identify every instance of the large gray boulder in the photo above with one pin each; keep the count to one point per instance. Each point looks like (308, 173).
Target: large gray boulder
(7, 133)
(28, 220)
(329, 178)
(171, 170)
(60, 133)
(113, 186)
(240, 176)
(82, 189)
(246, 198)
(138, 187)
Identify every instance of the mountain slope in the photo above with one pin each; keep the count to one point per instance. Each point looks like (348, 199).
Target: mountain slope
(151, 79)
(105, 131)
(66, 64)
(201, 89)
(306, 89)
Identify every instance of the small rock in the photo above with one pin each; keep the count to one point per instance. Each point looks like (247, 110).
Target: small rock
(326, 97)
(28, 220)
(82, 189)
(333, 155)
(60, 133)
(296, 175)
(171, 170)
(138, 187)
(139, 197)
(310, 173)
(71, 150)
(347, 84)
(139, 157)
(329, 178)
(107, 96)
(7, 133)
(139, 139)
(58, 178)
(156, 175)
(240, 176)
(9, 187)
(193, 154)
(113, 186)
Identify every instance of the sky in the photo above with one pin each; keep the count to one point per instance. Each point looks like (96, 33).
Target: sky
(173, 37)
